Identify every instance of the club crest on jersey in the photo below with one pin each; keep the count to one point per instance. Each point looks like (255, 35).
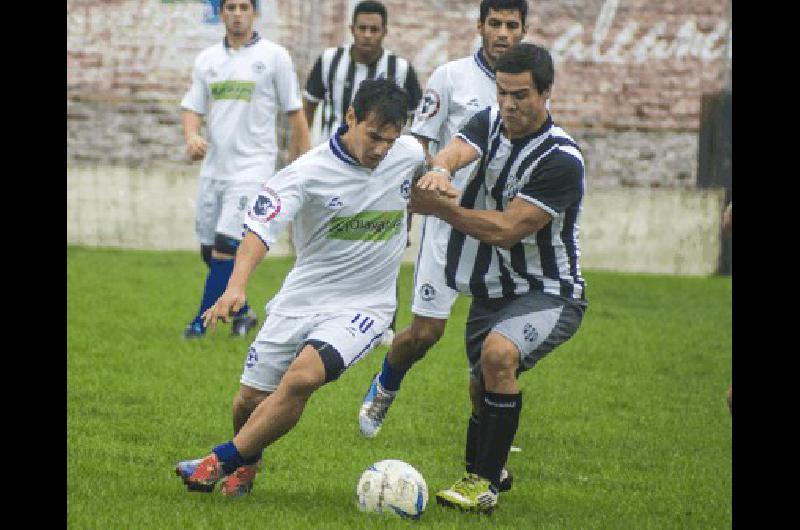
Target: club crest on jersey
(335, 204)
(258, 67)
(530, 332)
(427, 292)
(266, 207)
(473, 103)
(405, 188)
(429, 104)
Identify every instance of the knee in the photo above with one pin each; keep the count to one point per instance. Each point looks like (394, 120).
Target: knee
(499, 358)
(425, 333)
(247, 401)
(225, 245)
(301, 382)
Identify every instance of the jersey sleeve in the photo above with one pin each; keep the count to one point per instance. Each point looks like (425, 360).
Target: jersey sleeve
(196, 98)
(476, 131)
(315, 88)
(286, 88)
(432, 109)
(275, 206)
(556, 184)
(413, 89)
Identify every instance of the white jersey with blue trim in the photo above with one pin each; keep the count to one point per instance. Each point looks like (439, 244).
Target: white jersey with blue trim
(349, 227)
(240, 92)
(455, 92)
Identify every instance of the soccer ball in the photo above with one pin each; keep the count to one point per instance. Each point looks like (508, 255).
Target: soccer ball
(392, 486)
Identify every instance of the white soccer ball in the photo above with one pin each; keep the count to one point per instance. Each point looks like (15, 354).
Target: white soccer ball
(392, 486)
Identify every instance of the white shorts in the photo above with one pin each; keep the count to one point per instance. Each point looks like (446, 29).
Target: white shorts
(351, 335)
(221, 207)
(432, 297)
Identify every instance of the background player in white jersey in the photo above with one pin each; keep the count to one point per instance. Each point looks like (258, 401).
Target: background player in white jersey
(515, 249)
(347, 201)
(455, 92)
(238, 86)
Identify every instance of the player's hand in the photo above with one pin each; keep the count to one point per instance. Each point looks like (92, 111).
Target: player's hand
(196, 147)
(225, 307)
(431, 202)
(437, 181)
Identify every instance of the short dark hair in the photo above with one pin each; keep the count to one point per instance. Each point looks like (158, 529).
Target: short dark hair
(253, 2)
(370, 6)
(383, 97)
(527, 57)
(519, 5)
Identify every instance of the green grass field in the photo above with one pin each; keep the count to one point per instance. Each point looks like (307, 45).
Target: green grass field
(624, 426)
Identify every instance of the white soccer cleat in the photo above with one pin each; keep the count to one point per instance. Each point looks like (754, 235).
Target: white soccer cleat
(373, 409)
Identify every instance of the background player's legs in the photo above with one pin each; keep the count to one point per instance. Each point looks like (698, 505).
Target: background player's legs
(408, 346)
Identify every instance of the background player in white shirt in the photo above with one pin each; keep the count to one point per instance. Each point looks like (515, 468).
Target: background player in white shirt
(238, 86)
(455, 92)
(347, 201)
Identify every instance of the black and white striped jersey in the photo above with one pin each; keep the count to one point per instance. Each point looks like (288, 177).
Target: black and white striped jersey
(335, 77)
(544, 168)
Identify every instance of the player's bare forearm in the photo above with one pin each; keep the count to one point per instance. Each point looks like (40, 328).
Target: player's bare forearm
(498, 228)
(250, 253)
(455, 155)
(309, 108)
(300, 139)
(191, 124)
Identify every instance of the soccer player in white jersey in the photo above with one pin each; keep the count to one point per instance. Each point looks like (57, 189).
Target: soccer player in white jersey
(347, 201)
(455, 92)
(238, 87)
(514, 249)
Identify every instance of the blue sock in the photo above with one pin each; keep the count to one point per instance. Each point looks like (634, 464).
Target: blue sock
(229, 456)
(218, 275)
(390, 378)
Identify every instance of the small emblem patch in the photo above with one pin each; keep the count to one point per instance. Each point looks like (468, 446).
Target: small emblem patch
(266, 207)
(427, 292)
(530, 332)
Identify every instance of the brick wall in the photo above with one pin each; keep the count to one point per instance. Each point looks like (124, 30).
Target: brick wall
(629, 73)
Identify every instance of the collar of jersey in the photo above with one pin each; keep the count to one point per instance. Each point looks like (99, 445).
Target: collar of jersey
(482, 64)
(337, 146)
(256, 37)
(384, 51)
(528, 137)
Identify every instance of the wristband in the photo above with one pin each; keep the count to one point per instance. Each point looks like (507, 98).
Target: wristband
(440, 169)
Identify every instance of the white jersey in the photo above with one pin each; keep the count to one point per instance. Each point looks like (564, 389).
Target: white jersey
(455, 92)
(349, 227)
(240, 92)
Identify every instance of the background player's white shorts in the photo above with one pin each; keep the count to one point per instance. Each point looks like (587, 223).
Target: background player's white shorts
(221, 207)
(432, 297)
(353, 334)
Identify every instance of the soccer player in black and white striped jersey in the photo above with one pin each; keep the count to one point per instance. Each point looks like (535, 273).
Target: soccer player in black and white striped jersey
(337, 72)
(514, 249)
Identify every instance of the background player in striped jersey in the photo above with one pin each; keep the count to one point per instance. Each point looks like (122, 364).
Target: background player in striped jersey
(337, 72)
(238, 85)
(514, 249)
(347, 202)
(455, 92)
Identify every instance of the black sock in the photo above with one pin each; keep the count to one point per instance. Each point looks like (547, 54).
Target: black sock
(499, 418)
(471, 449)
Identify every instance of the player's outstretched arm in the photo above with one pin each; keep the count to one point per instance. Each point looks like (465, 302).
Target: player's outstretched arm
(249, 254)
